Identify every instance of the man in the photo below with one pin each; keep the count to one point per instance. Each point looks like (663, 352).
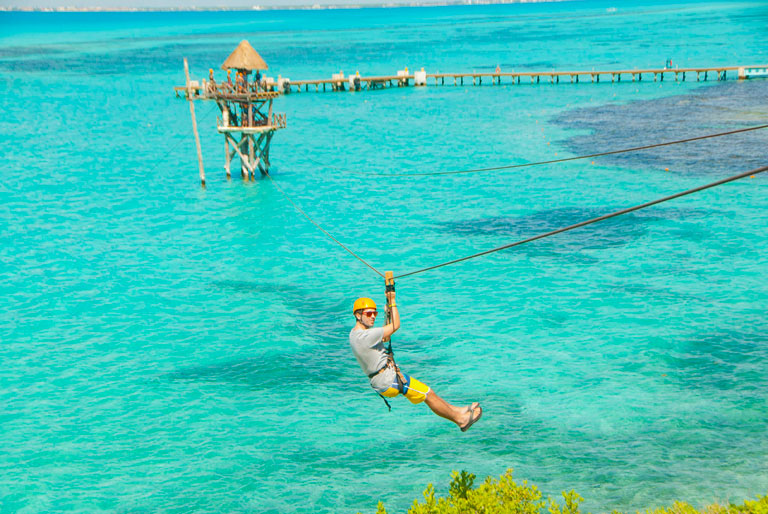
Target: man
(211, 81)
(386, 378)
(229, 80)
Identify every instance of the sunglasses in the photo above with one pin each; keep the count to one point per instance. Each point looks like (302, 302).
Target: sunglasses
(370, 313)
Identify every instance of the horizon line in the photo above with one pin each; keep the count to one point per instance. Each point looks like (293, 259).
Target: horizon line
(274, 7)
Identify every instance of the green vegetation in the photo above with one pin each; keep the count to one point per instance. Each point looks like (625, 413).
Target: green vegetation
(505, 496)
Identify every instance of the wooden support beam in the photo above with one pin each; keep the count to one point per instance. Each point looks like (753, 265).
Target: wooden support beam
(251, 156)
(244, 162)
(258, 159)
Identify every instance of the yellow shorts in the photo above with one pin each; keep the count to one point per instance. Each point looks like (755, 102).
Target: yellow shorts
(415, 391)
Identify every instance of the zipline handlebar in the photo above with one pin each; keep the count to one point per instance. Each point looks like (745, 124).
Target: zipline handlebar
(389, 281)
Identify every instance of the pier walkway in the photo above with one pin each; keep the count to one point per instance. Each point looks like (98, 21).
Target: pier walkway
(420, 78)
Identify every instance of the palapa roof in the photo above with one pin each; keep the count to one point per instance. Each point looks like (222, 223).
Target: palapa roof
(244, 58)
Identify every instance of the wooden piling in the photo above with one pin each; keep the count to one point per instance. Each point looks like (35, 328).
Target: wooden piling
(194, 123)
(227, 159)
(251, 157)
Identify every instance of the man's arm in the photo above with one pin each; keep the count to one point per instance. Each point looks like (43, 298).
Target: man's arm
(394, 324)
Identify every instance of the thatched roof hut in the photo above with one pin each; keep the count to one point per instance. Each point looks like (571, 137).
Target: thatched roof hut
(244, 58)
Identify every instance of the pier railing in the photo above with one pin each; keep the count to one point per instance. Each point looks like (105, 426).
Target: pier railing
(208, 91)
(356, 82)
(278, 121)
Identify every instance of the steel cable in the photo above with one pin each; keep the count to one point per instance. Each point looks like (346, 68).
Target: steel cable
(540, 163)
(590, 221)
(295, 206)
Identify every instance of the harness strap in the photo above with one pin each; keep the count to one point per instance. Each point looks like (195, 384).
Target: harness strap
(385, 401)
(400, 380)
(371, 375)
(390, 363)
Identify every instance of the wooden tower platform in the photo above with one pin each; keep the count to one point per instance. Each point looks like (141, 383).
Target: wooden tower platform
(248, 136)
(247, 119)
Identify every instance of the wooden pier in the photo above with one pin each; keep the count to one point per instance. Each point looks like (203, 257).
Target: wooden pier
(420, 78)
(248, 123)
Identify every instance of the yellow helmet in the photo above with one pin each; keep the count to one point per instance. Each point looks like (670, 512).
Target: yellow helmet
(363, 303)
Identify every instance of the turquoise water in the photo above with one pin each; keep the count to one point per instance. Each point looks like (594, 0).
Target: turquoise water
(172, 349)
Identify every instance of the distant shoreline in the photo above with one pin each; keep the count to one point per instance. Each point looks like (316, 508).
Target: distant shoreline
(314, 7)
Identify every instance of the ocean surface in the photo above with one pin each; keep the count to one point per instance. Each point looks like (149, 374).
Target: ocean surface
(168, 348)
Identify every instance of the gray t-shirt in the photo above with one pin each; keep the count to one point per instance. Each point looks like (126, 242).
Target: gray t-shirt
(368, 347)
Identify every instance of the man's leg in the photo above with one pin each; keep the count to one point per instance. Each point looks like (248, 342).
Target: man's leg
(417, 392)
(458, 415)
